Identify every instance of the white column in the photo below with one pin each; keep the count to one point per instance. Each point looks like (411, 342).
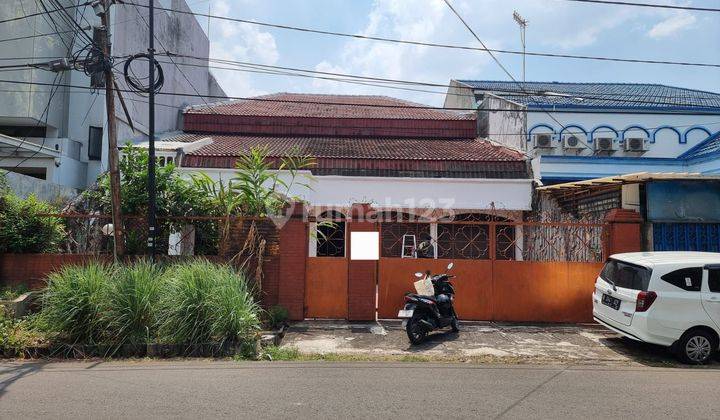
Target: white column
(433, 238)
(312, 239)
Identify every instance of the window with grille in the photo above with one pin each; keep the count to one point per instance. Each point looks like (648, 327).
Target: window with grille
(330, 240)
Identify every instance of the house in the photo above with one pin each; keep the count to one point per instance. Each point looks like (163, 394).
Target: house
(368, 149)
(391, 174)
(577, 131)
(677, 211)
(57, 134)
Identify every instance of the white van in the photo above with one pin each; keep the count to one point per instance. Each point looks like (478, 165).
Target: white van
(666, 298)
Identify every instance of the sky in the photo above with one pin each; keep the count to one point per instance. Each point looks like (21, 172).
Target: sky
(555, 26)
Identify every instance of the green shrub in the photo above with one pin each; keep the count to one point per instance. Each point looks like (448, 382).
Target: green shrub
(16, 335)
(131, 300)
(12, 292)
(281, 353)
(75, 301)
(203, 302)
(276, 316)
(22, 230)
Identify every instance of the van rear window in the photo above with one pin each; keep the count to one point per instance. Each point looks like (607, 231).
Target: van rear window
(628, 276)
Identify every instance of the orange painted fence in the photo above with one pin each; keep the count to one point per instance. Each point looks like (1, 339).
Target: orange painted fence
(526, 291)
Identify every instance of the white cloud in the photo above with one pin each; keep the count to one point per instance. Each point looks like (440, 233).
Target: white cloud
(423, 20)
(672, 25)
(240, 42)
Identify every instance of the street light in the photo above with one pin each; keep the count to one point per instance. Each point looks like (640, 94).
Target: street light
(523, 25)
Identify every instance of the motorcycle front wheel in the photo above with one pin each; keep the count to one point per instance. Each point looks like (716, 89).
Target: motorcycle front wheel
(415, 331)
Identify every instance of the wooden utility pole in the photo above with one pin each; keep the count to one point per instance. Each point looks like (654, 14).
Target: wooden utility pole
(119, 240)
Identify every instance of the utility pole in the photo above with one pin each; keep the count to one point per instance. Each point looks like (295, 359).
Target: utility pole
(152, 222)
(119, 240)
(523, 25)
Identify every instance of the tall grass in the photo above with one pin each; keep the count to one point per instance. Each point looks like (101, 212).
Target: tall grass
(75, 300)
(131, 302)
(203, 302)
(189, 303)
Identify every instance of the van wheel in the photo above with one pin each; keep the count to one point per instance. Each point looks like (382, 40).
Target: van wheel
(696, 347)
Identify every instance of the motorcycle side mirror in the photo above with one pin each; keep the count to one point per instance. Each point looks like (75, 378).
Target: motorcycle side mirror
(450, 266)
(419, 275)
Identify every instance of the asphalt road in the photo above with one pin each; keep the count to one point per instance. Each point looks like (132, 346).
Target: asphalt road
(205, 389)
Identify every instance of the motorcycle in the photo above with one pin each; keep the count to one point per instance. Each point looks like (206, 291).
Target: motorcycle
(425, 313)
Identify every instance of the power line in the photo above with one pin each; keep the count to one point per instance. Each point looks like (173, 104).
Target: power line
(653, 5)
(47, 109)
(423, 107)
(470, 29)
(385, 83)
(432, 44)
(42, 13)
(180, 107)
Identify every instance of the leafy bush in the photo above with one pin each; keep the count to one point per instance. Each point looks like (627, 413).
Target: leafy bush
(131, 299)
(175, 197)
(203, 302)
(12, 292)
(22, 230)
(75, 301)
(16, 335)
(276, 316)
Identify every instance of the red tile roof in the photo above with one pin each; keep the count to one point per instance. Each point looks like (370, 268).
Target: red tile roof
(473, 150)
(329, 106)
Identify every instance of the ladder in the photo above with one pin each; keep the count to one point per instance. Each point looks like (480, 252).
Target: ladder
(409, 245)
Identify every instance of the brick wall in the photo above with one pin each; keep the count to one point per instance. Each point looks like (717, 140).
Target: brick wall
(31, 270)
(293, 256)
(271, 261)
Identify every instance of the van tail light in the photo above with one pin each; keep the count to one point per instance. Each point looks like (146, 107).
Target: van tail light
(644, 300)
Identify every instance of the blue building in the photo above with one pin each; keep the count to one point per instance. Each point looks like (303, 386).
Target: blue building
(576, 131)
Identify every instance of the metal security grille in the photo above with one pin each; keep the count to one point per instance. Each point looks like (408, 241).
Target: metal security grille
(686, 237)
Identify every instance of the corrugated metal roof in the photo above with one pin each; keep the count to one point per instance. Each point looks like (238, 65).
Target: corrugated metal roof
(636, 178)
(707, 147)
(628, 96)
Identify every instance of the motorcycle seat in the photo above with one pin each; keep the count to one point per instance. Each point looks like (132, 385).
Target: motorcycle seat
(422, 296)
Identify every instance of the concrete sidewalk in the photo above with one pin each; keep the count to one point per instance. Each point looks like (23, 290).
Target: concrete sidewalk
(482, 341)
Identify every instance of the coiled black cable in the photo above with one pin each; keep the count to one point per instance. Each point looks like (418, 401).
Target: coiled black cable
(136, 82)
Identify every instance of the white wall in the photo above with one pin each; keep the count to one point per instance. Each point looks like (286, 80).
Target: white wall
(439, 193)
(666, 141)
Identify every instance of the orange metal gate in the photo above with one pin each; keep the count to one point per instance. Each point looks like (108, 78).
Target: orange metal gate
(326, 288)
(506, 271)
(529, 291)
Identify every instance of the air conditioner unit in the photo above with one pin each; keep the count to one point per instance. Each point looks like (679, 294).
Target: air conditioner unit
(572, 142)
(606, 144)
(636, 144)
(543, 141)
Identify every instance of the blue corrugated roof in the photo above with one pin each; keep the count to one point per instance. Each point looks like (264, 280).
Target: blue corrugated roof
(709, 146)
(628, 96)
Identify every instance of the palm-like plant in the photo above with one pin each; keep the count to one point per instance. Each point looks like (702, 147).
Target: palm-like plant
(262, 190)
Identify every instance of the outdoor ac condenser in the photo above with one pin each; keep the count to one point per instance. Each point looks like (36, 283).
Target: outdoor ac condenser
(572, 142)
(636, 144)
(543, 141)
(606, 144)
